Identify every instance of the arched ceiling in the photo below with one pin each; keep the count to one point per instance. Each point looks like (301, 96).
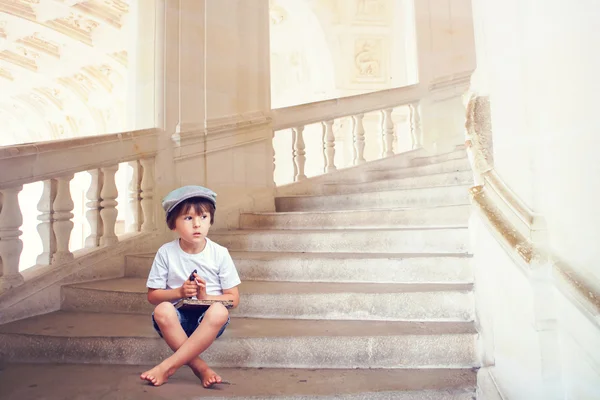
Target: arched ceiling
(63, 68)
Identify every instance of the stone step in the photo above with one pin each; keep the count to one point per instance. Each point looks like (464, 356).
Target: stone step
(101, 338)
(459, 153)
(433, 180)
(411, 159)
(297, 300)
(400, 198)
(359, 219)
(336, 267)
(452, 165)
(68, 381)
(414, 240)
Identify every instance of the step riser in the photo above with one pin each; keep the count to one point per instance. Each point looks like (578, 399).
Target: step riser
(365, 270)
(422, 161)
(138, 266)
(458, 178)
(437, 306)
(442, 216)
(444, 167)
(428, 197)
(410, 351)
(410, 164)
(466, 394)
(408, 241)
(417, 306)
(408, 270)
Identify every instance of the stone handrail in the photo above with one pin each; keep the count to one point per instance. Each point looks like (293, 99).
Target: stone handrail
(31, 162)
(520, 230)
(306, 114)
(55, 164)
(327, 111)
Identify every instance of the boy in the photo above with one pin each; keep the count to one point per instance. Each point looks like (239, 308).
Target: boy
(190, 212)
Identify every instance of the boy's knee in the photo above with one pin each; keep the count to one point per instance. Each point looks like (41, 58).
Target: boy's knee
(164, 312)
(217, 313)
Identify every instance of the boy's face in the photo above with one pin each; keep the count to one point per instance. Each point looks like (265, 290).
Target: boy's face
(193, 227)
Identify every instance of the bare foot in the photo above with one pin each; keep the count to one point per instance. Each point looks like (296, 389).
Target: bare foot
(157, 375)
(207, 376)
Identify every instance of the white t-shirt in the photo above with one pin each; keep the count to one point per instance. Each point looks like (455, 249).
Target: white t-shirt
(172, 266)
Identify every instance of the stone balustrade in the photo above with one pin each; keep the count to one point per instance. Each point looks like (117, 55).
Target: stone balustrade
(55, 164)
(327, 112)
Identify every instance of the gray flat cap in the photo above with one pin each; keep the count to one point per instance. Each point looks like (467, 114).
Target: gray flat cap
(187, 192)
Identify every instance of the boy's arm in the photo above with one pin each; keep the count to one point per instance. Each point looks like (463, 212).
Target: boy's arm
(157, 296)
(232, 294)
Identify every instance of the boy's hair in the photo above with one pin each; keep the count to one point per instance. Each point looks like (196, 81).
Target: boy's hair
(200, 206)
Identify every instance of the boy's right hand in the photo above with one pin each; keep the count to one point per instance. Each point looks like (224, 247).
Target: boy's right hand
(189, 289)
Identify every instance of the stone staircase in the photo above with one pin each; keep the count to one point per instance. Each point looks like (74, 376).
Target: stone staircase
(358, 288)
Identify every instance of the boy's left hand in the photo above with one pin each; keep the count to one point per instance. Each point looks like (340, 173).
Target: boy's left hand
(201, 287)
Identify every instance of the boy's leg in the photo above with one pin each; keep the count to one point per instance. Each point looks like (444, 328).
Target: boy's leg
(187, 349)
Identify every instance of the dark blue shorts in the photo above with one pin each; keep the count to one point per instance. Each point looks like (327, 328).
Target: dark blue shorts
(189, 320)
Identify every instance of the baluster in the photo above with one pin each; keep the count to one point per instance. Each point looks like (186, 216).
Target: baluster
(147, 194)
(387, 133)
(329, 146)
(133, 199)
(415, 125)
(11, 245)
(293, 161)
(274, 158)
(63, 207)
(109, 212)
(358, 133)
(45, 227)
(299, 153)
(93, 209)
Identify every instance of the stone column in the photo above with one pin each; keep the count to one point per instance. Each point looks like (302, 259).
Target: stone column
(191, 67)
(237, 59)
(239, 148)
(446, 55)
(213, 99)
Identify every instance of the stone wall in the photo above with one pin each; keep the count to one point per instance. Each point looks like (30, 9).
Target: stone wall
(539, 323)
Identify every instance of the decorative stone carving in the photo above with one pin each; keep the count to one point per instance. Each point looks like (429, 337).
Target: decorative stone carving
(367, 59)
(6, 74)
(277, 14)
(53, 95)
(11, 245)
(387, 133)
(80, 23)
(299, 153)
(3, 29)
(22, 57)
(45, 228)
(329, 146)
(93, 209)
(478, 135)
(118, 5)
(102, 75)
(109, 212)
(42, 44)
(62, 225)
(147, 194)
(120, 56)
(371, 9)
(358, 134)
